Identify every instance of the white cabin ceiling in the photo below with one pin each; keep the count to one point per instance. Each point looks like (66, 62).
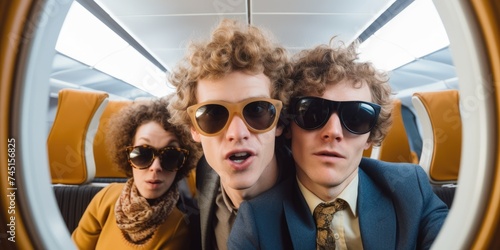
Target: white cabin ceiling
(163, 28)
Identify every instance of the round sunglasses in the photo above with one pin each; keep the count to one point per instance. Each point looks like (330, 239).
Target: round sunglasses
(171, 158)
(311, 113)
(259, 115)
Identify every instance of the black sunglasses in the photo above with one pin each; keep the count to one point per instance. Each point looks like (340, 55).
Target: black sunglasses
(259, 114)
(311, 113)
(171, 158)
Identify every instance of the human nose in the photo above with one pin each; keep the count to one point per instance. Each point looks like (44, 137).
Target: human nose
(155, 165)
(333, 128)
(237, 129)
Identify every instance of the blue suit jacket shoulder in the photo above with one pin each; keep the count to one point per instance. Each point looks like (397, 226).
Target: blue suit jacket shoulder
(396, 206)
(397, 199)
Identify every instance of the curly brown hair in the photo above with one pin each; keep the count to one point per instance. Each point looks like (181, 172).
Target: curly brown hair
(234, 46)
(324, 65)
(123, 126)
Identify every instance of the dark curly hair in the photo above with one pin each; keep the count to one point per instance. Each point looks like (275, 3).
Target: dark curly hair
(325, 65)
(123, 126)
(234, 46)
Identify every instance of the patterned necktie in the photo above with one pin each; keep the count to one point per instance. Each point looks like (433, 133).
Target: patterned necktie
(323, 214)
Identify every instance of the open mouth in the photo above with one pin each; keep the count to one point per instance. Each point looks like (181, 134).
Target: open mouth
(239, 157)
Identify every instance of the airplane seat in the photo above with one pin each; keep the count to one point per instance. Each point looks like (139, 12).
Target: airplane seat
(439, 114)
(395, 147)
(190, 181)
(70, 140)
(106, 170)
(70, 154)
(368, 152)
(73, 201)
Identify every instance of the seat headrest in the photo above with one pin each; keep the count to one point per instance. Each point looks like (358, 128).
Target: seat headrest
(105, 167)
(395, 147)
(439, 114)
(71, 137)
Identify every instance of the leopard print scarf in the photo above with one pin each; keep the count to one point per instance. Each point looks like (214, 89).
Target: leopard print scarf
(136, 218)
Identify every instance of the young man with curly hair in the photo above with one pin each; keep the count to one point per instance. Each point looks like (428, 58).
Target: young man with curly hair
(340, 200)
(230, 91)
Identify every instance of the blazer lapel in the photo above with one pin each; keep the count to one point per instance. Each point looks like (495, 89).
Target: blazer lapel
(377, 218)
(207, 190)
(299, 220)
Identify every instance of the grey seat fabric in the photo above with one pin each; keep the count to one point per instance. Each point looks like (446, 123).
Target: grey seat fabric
(73, 200)
(445, 193)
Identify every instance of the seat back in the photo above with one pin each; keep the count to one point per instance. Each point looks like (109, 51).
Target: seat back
(368, 152)
(105, 168)
(439, 114)
(395, 147)
(73, 201)
(70, 140)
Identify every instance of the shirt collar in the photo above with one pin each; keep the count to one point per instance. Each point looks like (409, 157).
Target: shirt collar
(349, 194)
(227, 201)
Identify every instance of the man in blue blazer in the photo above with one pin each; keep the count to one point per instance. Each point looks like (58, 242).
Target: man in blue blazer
(338, 199)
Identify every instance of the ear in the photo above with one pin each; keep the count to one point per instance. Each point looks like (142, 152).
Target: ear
(195, 135)
(279, 130)
(367, 145)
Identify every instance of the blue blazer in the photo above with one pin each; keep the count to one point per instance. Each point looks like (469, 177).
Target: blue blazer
(397, 209)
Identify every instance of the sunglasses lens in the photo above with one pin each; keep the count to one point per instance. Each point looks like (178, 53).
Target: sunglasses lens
(141, 156)
(358, 117)
(260, 115)
(212, 117)
(311, 113)
(172, 159)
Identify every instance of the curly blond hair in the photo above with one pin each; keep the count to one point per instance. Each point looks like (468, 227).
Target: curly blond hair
(234, 46)
(123, 126)
(324, 65)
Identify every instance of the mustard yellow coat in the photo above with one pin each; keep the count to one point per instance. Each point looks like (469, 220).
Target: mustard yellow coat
(97, 228)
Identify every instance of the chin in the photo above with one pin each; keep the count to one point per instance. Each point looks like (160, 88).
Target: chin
(326, 179)
(242, 183)
(153, 193)
(152, 196)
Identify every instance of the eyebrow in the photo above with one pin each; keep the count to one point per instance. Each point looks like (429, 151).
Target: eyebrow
(173, 142)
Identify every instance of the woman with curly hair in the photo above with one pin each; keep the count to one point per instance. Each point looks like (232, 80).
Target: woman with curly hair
(145, 212)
